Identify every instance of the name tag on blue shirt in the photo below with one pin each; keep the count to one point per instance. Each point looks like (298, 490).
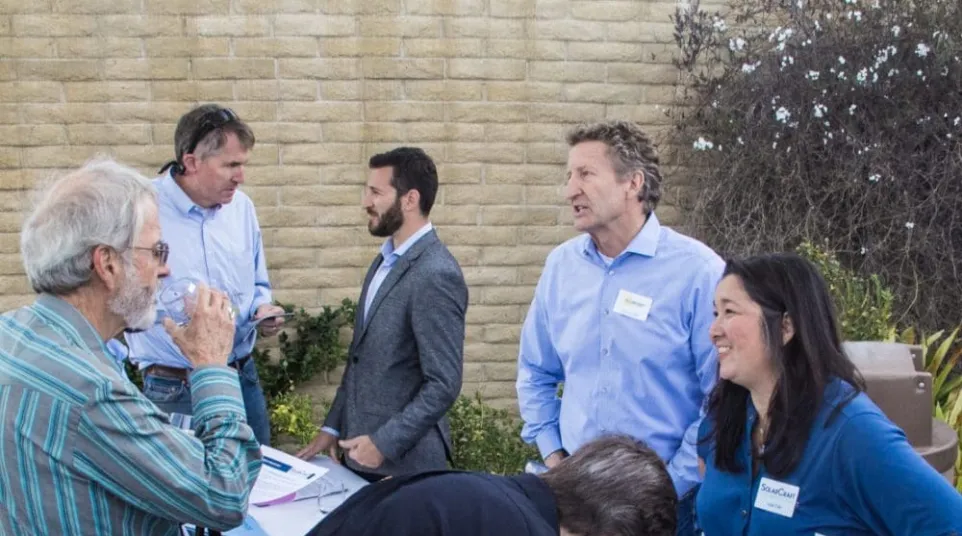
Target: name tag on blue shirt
(632, 305)
(776, 497)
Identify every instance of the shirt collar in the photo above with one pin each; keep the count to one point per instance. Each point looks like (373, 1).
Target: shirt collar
(182, 202)
(391, 255)
(644, 243)
(72, 321)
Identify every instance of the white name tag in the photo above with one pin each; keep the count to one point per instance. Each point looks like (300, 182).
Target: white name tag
(776, 497)
(632, 305)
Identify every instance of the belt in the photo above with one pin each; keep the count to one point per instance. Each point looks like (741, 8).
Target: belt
(181, 373)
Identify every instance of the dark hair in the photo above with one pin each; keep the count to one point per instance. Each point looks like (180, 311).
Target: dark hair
(616, 486)
(413, 169)
(783, 284)
(204, 130)
(630, 150)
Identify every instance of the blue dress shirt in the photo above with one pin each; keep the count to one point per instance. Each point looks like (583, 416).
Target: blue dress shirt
(221, 246)
(643, 375)
(389, 256)
(857, 476)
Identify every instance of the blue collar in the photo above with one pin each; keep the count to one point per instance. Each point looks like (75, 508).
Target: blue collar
(644, 243)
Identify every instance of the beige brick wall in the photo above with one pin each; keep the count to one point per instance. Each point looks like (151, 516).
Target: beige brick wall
(487, 87)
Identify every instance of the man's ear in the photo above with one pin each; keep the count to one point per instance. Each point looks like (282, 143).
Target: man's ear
(637, 183)
(107, 266)
(411, 201)
(788, 329)
(190, 163)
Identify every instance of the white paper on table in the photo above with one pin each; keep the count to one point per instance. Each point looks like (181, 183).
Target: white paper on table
(282, 476)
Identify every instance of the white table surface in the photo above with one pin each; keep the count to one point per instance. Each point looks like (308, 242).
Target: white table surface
(299, 517)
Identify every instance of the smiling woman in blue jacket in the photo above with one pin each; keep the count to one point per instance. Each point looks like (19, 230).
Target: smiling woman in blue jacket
(791, 443)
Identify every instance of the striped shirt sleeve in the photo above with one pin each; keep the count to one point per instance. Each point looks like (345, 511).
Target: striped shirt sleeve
(128, 446)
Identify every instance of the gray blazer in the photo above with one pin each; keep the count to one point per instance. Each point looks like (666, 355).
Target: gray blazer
(405, 364)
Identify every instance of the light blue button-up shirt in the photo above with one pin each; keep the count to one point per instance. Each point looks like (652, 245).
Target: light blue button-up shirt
(390, 256)
(221, 246)
(627, 368)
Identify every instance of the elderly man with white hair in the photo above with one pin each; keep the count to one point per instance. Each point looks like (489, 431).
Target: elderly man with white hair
(82, 451)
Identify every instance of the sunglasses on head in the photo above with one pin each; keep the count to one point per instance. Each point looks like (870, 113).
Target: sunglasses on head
(210, 122)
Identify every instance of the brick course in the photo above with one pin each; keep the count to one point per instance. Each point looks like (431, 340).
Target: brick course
(486, 86)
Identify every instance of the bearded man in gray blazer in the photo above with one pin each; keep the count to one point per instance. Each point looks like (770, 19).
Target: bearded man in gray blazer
(405, 362)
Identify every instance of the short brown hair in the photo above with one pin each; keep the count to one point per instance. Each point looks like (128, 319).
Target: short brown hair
(194, 133)
(615, 486)
(630, 150)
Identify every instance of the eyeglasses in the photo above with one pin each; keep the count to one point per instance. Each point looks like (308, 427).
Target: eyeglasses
(160, 250)
(331, 495)
(210, 122)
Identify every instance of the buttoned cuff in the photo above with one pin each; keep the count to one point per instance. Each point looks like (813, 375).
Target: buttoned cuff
(682, 484)
(548, 441)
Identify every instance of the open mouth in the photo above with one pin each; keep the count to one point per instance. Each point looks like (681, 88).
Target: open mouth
(579, 209)
(722, 350)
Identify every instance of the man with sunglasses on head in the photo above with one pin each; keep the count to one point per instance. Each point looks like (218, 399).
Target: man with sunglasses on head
(82, 451)
(215, 238)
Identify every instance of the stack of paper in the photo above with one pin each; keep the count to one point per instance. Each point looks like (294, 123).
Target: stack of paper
(283, 478)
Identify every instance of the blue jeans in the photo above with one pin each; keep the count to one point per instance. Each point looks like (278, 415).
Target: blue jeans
(686, 514)
(173, 396)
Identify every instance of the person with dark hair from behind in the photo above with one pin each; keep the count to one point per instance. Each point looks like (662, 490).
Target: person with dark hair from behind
(406, 359)
(791, 444)
(612, 486)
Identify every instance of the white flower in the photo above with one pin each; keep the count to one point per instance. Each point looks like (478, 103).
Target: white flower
(736, 44)
(922, 50)
(720, 24)
(740, 141)
(874, 178)
(812, 75)
(863, 251)
(896, 30)
(957, 121)
(841, 60)
(862, 75)
(851, 109)
(701, 144)
(819, 110)
(909, 225)
(749, 68)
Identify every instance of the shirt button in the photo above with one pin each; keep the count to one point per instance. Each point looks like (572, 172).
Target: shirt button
(605, 351)
(744, 513)
(612, 272)
(607, 311)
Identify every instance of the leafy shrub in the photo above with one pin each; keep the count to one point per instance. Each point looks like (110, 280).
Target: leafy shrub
(487, 439)
(315, 348)
(864, 304)
(292, 415)
(835, 120)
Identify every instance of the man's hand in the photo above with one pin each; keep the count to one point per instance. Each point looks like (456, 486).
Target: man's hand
(209, 336)
(363, 451)
(555, 458)
(269, 328)
(322, 441)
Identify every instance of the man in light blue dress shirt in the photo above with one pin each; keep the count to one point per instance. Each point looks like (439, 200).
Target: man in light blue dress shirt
(215, 237)
(620, 316)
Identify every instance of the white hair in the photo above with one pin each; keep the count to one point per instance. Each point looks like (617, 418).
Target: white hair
(102, 203)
